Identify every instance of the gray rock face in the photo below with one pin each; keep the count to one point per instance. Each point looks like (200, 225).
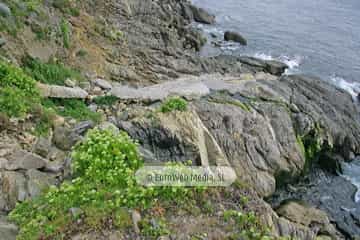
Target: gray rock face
(236, 37)
(38, 181)
(23, 160)
(8, 231)
(187, 87)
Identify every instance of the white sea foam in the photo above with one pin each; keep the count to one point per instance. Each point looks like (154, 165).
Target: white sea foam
(292, 62)
(351, 173)
(352, 87)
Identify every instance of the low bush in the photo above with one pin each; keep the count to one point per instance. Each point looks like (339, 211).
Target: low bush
(73, 108)
(106, 100)
(104, 166)
(174, 104)
(18, 92)
(49, 73)
(65, 30)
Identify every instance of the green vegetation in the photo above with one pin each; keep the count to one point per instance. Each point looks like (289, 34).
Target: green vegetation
(73, 108)
(50, 73)
(248, 226)
(311, 146)
(67, 7)
(18, 92)
(106, 100)
(154, 231)
(174, 104)
(20, 10)
(42, 33)
(104, 166)
(65, 30)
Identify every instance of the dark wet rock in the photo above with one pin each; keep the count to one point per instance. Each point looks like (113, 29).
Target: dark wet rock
(356, 216)
(234, 36)
(202, 16)
(330, 193)
(82, 127)
(4, 10)
(276, 67)
(270, 66)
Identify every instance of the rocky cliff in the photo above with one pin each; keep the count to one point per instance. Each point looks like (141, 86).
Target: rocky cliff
(242, 112)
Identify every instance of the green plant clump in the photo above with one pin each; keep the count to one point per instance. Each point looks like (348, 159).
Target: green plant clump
(67, 7)
(73, 108)
(65, 30)
(174, 104)
(248, 226)
(18, 92)
(106, 100)
(104, 165)
(49, 73)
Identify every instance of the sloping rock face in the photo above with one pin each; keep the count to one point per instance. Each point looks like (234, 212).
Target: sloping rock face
(256, 126)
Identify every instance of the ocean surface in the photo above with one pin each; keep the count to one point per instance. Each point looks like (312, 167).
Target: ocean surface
(318, 37)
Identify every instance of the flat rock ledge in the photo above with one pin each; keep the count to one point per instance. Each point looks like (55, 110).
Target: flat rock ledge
(188, 87)
(55, 91)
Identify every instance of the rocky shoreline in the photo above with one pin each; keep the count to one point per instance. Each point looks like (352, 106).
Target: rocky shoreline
(276, 131)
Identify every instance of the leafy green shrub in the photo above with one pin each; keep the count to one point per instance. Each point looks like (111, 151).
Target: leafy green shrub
(18, 92)
(104, 168)
(65, 30)
(14, 77)
(13, 102)
(174, 104)
(73, 108)
(49, 73)
(106, 100)
(67, 7)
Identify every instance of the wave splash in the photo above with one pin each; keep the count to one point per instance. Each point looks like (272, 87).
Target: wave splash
(293, 62)
(351, 87)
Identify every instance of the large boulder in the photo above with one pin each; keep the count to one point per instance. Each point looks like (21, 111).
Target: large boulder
(276, 67)
(202, 16)
(54, 91)
(308, 217)
(23, 160)
(234, 36)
